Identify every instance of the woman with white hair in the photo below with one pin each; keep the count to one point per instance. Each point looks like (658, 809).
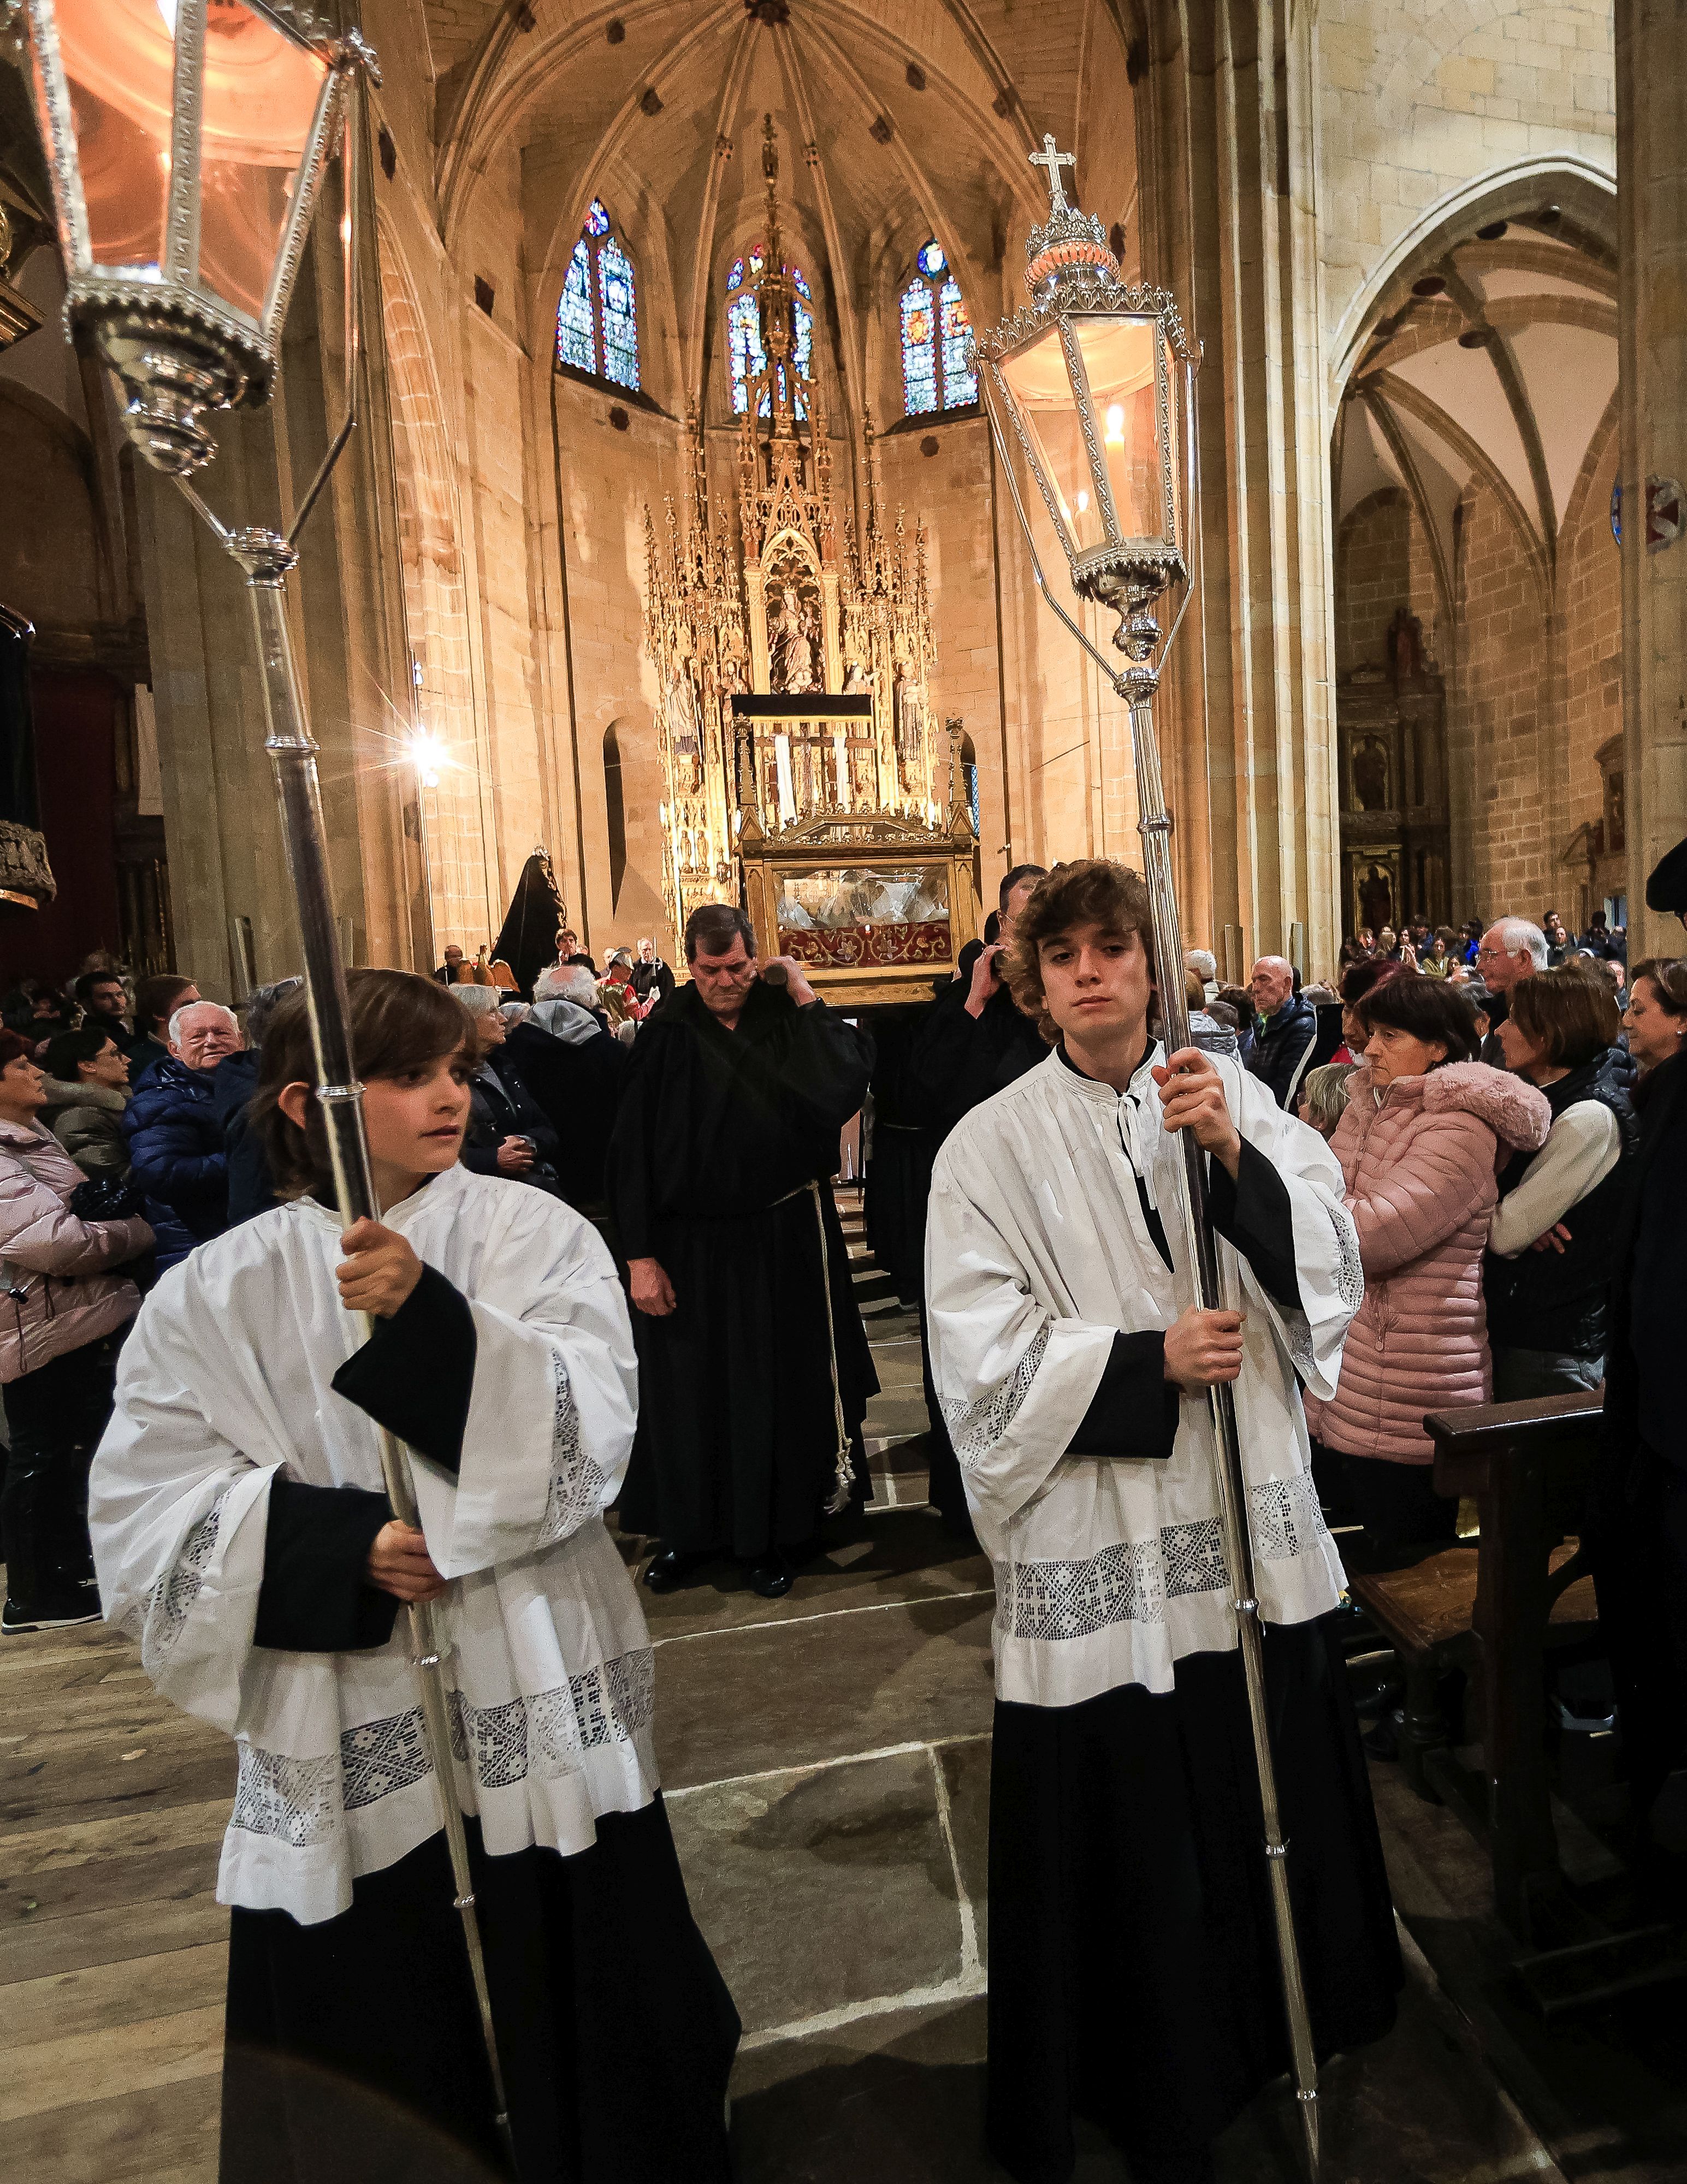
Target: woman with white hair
(568, 1068)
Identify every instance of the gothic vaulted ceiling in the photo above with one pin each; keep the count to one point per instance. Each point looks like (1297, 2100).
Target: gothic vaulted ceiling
(896, 119)
(1498, 366)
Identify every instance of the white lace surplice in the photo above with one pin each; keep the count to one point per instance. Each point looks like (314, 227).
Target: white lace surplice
(1108, 1570)
(226, 1381)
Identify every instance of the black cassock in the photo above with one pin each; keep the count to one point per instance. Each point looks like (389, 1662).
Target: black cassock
(721, 1135)
(354, 2047)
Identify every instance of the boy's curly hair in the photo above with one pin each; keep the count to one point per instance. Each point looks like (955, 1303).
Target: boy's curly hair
(1090, 891)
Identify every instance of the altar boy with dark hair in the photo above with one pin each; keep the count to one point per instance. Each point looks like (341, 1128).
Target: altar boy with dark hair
(1133, 1975)
(242, 1537)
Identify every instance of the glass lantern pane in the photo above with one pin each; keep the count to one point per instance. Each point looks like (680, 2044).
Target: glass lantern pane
(1048, 415)
(1120, 357)
(119, 62)
(260, 96)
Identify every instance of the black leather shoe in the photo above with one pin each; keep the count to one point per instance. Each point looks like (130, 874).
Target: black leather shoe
(773, 1578)
(670, 1570)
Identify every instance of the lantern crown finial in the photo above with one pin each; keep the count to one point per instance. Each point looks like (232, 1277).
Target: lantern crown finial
(1053, 160)
(1070, 248)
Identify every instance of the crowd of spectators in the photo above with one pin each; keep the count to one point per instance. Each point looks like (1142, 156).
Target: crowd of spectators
(1491, 1093)
(125, 1143)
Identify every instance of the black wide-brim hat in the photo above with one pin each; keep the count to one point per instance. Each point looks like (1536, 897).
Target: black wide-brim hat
(1667, 888)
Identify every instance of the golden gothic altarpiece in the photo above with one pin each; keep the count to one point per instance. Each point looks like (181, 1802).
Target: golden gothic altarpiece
(804, 775)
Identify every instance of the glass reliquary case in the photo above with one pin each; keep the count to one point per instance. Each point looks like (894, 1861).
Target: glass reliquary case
(875, 908)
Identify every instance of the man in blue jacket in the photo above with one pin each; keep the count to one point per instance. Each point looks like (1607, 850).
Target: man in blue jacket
(175, 1134)
(1288, 1033)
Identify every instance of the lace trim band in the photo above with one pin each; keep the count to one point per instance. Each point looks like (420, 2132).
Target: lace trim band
(975, 1428)
(1132, 1581)
(1350, 1267)
(576, 1482)
(170, 1601)
(304, 1800)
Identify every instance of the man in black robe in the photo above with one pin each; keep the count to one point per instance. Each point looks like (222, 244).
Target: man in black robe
(754, 1368)
(973, 1041)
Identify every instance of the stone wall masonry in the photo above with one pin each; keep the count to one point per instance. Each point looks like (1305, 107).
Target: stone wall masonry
(1418, 98)
(608, 478)
(1382, 564)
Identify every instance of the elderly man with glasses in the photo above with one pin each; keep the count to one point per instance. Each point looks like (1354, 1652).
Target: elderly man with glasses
(1510, 951)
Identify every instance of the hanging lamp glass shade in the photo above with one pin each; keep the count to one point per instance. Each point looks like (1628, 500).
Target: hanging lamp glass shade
(185, 139)
(1088, 375)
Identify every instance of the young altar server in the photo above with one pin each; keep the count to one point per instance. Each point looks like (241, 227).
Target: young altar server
(242, 1537)
(1133, 1974)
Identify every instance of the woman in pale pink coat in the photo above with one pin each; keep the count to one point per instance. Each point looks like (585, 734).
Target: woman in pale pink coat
(1425, 1129)
(63, 1312)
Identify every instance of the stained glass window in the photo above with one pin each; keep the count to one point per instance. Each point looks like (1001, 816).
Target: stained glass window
(597, 319)
(744, 342)
(576, 338)
(620, 318)
(745, 354)
(919, 350)
(960, 385)
(934, 329)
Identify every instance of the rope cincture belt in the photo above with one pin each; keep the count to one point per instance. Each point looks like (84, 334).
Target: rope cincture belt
(845, 1471)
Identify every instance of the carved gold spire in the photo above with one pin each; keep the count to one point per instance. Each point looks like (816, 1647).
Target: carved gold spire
(786, 610)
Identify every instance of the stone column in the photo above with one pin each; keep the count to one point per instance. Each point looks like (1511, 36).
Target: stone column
(1651, 197)
(1225, 123)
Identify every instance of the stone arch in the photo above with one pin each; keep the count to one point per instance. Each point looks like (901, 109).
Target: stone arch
(1586, 191)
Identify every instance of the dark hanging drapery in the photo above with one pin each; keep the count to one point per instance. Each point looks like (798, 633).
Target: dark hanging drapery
(527, 939)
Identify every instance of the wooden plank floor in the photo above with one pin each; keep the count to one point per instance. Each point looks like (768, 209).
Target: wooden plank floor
(112, 1943)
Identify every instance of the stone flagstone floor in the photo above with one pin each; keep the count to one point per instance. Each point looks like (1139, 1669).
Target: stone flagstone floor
(826, 1762)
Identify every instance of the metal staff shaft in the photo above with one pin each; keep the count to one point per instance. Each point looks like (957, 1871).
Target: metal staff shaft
(266, 559)
(1155, 827)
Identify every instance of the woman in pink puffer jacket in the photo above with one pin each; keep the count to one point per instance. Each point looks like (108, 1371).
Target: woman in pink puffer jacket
(1425, 1129)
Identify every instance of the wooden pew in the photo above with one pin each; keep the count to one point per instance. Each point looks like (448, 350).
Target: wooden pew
(1497, 1608)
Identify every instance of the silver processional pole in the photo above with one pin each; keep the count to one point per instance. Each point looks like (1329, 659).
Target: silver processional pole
(1089, 375)
(259, 91)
